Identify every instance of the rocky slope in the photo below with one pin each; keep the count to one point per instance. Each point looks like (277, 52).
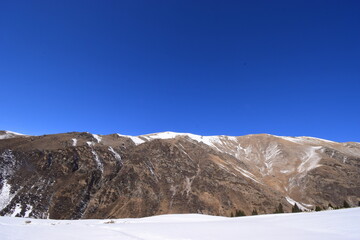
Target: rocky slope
(83, 175)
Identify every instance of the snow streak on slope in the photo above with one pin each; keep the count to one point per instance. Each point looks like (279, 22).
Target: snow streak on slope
(271, 152)
(310, 160)
(136, 140)
(116, 155)
(329, 225)
(7, 167)
(302, 206)
(97, 137)
(5, 195)
(246, 174)
(17, 210)
(97, 160)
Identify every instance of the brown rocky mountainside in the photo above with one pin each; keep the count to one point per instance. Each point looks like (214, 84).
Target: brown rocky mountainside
(83, 175)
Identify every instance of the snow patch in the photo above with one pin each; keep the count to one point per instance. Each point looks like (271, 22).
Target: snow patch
(6, 171)
(17, 210)
(188, 183)
(74, 142)
(116, 155)
(302, 206)
(310, 159)
(97, 137)
(292, 139)
(248, 150)
(225, 168)
(5, 195)
(136, 139)
(15, 133)
(247, 174)
(183, 150)
(272, 151)
(173, 192)
(162, 135)
(97, 160)
(29, 209)
(151, 168)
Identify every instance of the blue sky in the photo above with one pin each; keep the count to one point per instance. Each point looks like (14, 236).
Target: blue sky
(206, 67)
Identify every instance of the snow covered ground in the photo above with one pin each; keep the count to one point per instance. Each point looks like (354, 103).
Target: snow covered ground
(327, 225)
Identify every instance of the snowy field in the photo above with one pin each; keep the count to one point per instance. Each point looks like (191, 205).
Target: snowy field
(337, 224)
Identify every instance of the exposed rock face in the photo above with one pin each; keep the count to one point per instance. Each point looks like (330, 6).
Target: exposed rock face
(82, 175)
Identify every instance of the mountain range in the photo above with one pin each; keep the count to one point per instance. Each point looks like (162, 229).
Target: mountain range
(80, 175)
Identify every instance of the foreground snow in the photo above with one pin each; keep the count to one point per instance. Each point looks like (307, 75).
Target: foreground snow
(337, 224)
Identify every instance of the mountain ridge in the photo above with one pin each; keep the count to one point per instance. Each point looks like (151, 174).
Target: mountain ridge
(84, 175)
(3, 132)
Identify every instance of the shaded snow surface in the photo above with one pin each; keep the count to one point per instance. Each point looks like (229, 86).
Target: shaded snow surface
(329, 225)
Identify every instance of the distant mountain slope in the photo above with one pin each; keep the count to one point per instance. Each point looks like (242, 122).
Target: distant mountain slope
(83, 175)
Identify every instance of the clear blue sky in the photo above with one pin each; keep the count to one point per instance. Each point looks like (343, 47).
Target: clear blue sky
(206, 67)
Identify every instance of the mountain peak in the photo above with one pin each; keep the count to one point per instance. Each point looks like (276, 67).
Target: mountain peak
(4, 134)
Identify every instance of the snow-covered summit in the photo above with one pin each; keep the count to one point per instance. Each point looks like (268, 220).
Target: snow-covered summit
(209, 140)
(9, 134)
(212, 141)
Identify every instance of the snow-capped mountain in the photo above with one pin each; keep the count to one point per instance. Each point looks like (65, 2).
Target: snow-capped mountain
(83, 175)
(9, 134)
